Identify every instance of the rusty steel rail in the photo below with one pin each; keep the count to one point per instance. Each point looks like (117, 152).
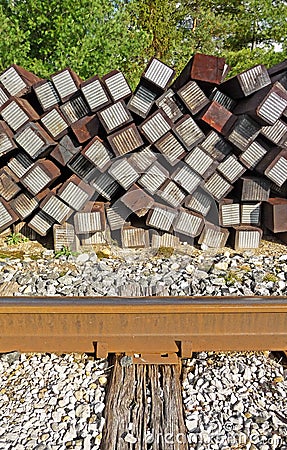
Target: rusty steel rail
(154, 328)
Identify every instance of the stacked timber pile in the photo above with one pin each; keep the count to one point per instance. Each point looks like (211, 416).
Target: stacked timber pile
(198, 159)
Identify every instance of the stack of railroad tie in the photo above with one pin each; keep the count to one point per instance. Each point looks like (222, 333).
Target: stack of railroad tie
(198, 160)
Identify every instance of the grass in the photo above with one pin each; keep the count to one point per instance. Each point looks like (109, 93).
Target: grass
(231, 277)
(15, 239)
(165, 252)
(104, 253)
(12, 254)
(270, 277)
(65, 251)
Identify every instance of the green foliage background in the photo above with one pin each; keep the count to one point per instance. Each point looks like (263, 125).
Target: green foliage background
(96, 36)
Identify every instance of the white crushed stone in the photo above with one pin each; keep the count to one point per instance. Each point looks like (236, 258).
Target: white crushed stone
(235, 401)
(231, 401)
(206, 274)
(51, 402)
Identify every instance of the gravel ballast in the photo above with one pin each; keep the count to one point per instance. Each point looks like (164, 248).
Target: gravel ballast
(235, 401)
(51, 402)
(55, 402)
(236, 274)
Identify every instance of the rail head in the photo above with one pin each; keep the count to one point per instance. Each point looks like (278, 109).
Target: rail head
(167, 305)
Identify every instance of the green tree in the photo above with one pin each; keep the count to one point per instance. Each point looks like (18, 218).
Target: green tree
(246, 32)
(96, 36)
(177, 29)
(255, 31)
(90, 36)
(14, 42)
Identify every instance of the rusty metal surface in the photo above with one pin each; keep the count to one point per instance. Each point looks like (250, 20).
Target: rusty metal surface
(65, 150)
(147, 325)
(275, 214)
(137, 200)
(85, 128)
(208, 68)
(6, 139)
(218, 117)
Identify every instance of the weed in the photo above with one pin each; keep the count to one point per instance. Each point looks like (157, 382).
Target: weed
(165, 252)
(63, 273)
(12, 255)
(231, 277)
(35, 257)
(245, 267)
(15, 239)
(270, 277)
(103, 253)
(65, 251)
